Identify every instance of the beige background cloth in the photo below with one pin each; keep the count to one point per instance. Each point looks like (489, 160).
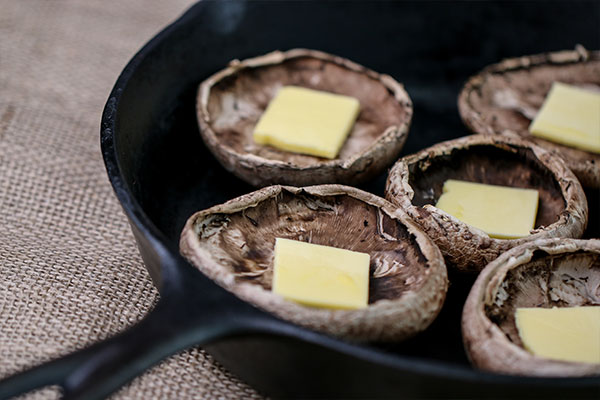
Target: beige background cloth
(70, 273)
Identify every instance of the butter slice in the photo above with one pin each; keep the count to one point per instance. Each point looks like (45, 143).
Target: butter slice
(567, 334)
(570, 116)
(501, 212)
(321, 276)
(307, 121)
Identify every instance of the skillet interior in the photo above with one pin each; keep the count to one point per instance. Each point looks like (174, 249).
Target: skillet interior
(171, 174)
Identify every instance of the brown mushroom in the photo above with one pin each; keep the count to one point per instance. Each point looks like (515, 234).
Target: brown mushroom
(230, 103)
(415, 184)
(507, 96)
(233, 244)
(543, 273)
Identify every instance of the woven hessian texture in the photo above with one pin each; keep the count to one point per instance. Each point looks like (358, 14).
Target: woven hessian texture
(70, 273)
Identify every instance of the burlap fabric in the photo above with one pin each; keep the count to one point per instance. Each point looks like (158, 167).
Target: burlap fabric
(70, 273)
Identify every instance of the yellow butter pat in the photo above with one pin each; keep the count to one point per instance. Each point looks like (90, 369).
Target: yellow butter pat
(567, 333)
(570, 116)
(321, 276)
(307, 121)
(501, 212)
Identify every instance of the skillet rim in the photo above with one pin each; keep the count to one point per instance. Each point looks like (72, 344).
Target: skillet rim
(139, 220)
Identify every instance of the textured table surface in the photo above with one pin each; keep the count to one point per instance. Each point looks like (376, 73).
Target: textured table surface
(70, 273)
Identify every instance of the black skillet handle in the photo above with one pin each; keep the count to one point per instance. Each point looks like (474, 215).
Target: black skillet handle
(100, 369)
(181, 319)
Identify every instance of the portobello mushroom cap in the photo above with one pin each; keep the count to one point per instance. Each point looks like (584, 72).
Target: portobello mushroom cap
(233, 244)
(544, 273)
(415, 184)
(507, 96)
(230, 103)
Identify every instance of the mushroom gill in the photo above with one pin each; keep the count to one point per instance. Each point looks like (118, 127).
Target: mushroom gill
(230, 103)
(233, 244)
(544, 273)
(415, 184)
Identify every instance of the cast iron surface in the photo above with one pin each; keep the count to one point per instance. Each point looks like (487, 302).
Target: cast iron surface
(162, 173)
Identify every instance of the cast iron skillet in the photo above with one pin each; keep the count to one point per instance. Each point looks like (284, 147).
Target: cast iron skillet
(162, 173)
